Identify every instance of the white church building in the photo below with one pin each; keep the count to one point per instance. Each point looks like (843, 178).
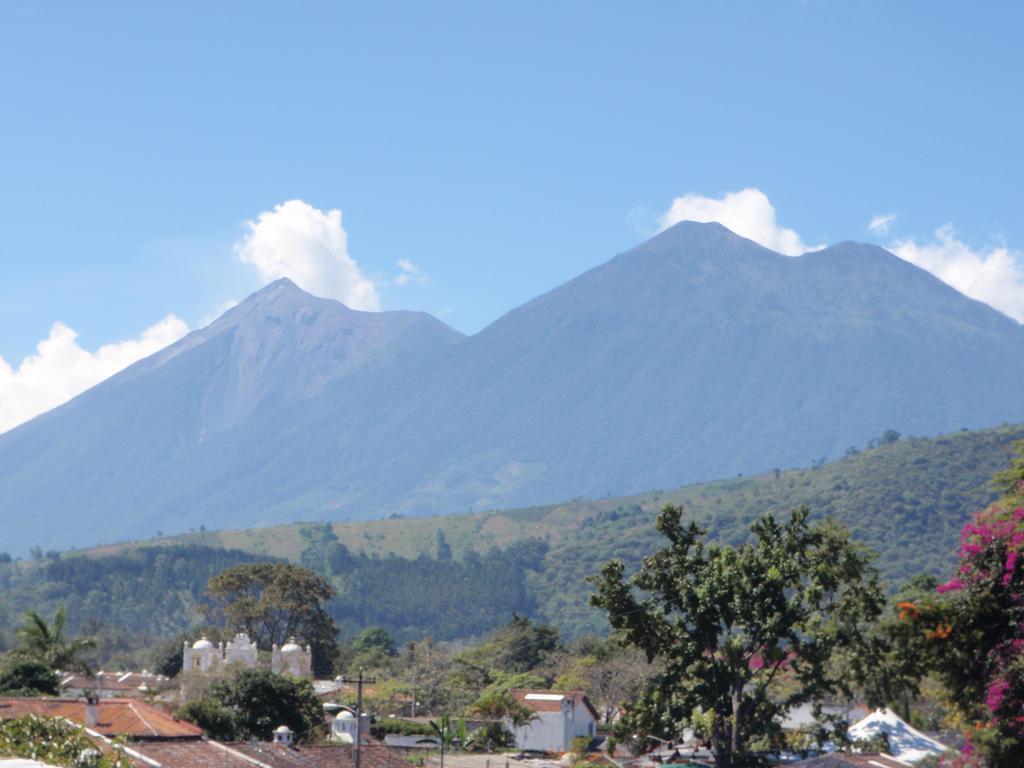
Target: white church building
(203, 657)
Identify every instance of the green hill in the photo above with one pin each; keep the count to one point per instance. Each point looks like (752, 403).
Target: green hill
(906, 499)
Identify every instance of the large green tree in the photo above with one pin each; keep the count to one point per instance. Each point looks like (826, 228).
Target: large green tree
(891, 671)
(272, 602)
(251, 703)
(48, 642)
(730, 623)
(26, 677)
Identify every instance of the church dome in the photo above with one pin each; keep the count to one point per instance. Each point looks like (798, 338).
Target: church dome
(201, 644)
(291, 646)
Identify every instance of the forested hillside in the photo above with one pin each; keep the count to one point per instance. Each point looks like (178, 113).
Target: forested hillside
(143, 596)
(460, 576)
(128, 600)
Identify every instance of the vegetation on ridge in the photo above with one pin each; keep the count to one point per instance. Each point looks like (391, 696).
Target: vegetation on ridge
(461, 576)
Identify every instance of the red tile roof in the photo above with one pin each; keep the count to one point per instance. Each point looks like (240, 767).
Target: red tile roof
(280, 756)
(117, 717)
(191, 754)
(578, 698)
(848, 760)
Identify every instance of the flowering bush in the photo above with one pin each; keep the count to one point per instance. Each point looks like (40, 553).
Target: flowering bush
(974, 630)
(55, 741)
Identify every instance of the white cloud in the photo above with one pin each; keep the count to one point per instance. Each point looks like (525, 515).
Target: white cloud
(748, 213)
(309, 246)
(61, 369)
(410, 274)
(994, 276)
(881, 224)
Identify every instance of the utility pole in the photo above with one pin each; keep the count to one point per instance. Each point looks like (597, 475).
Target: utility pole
(359, 681)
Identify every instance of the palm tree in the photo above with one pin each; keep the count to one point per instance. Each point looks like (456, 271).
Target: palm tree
(46, 642)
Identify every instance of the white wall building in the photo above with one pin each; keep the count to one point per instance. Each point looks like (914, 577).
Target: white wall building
(558, 718)
(203, 657)
(292, 659)
(241, 650)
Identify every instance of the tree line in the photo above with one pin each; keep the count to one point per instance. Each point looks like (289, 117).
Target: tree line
(720, 638)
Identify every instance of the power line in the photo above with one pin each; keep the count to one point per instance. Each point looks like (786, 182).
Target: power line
(359, 681)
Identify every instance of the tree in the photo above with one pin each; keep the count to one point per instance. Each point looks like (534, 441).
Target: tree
(444, 550)
(374, 640)
(47, 642)
(272, 602)
(425, 666)
(890, 436)
(166, 658)
(56, 741)
(253, 702)
(890, 673)
(216, 720)
(728, 623)
(617, 677)
(972, 630)
(26, 677)
(519, 646)
(503, 706)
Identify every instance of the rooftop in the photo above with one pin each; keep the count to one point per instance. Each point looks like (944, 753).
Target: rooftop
(117, 717)
(551, 701)
(847, 760)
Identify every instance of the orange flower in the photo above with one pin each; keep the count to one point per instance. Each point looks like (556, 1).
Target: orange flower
(908, 609)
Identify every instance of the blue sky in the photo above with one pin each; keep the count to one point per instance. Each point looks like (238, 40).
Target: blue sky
(500, 149)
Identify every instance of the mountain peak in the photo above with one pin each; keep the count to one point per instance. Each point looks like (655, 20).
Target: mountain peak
(282, 297)
(696, 232)
(281, 284)
(282, 289)
(701, 240)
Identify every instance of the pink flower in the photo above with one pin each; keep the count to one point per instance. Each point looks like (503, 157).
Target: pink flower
(1009, 568)
(953, 585)
(996, 694)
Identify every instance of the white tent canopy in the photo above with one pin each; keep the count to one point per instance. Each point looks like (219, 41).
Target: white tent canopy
(905, 743)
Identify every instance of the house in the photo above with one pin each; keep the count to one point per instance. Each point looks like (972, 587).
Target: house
(110, 718)
(107, 685)
(558, 718)
(905, 743)
(155, 739)
(801, 719)
(141, 726)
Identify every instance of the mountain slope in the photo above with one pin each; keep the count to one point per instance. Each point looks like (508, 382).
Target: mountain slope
(906, 500)
(701, 354)
(698, 354)
(118, 460)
